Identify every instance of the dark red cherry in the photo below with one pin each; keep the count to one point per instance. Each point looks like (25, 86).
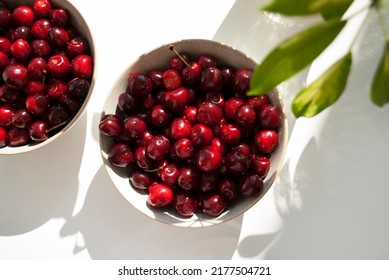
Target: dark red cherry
(209, 181)
(185, 203)
(18, 136)
(188, 178)
(15, 76)
(231, 107)
(176, 100)
(201, 135)
(37, 68)
(180, 128)
(250, 185)
(59, 17)
(40, 48)
(260, 165)
(160, 116)
(22, 118)
(140, 180)
(37, 104)
(139, 85)
(207, 61)
(236, 162)
(156, 79)
(231, 134)
(208, 113)
(241, 81)
(77, 46)
(211, 80)
(245, 115)
(134, 127)
(268, 116)
(213, 204)
(120, 155)
(127, 103)
(169, 174)
(5, 17)
(228, 188)
(40, 29)
(191, 74)
(38, 131)
(215, 97)
(58, 37)
(78, 88)
(158, 147)
(142, 159)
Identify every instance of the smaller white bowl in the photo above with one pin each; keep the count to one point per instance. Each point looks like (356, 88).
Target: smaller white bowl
(159, 59)
(76, 20)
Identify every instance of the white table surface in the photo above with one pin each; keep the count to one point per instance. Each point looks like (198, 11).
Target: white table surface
(331, 200)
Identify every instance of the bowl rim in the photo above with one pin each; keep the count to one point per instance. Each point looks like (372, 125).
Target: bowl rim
(197, 220)
(86, 32)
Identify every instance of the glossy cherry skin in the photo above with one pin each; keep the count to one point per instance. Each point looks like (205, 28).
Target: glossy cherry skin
(230, 134)
(120, 155)
(18, 136)
(213, 204)
(127, 103)
(156, 79)
(22, 118)
(58, 37)
(231, 107)
(139, 85)
(215, 97)
(160, 116)
(160, 195)
(15, 76)
(171, 79)
(266, 140)
(209, 113)
(268, 116)
(37, 104)
(228, 188)
(250, 185)
(56, 88)
(77, 46)
(183, 148)
(237, 162)
(142, 159)
(40, 48)
(110, 125)
(38, 131)
(206, 61)
(180, 128)
(78, 88)
(208, 181)
(134, 127)
(211, 80)
(82, 66)
(40, 29)
(260, 165)
(190, 113)
(23, 16)
(42, 8)
(20, 49)
(6, 115)
(191, 74)
(158, 147)
(201, 135)
(3, 137)
(59, 17)
(208, 159)
(169, 174)
(140, 180)
(241, 81)
(5, 17)
(185, 203)
(188, 178)
(245, 115)
(258, 101)
(37, 68)
(177, 100)
(58, 65)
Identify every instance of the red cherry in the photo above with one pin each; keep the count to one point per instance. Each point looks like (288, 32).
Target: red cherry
(213, 204)
(120, 155)
(209, 113)
(266, 140)
(3, 137)
(171, 79)
(185, 203)
(208, 159)
(180, 128)
(23, 16)
(201, 135)
(160, 195)
(82, 66)
(177, 100)
(250, 185)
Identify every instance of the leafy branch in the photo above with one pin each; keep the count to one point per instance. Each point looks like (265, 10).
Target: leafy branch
(301, 49)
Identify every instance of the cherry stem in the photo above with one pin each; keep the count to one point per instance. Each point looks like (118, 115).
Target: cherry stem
(153, 170)
(44, 77)
(178, 54)
(57, 126)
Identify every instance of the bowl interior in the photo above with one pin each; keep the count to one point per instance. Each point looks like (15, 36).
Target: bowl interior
(80, 24)
(159, 59)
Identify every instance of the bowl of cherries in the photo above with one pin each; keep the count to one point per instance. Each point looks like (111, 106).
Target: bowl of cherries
(46, 67)
(181, 140)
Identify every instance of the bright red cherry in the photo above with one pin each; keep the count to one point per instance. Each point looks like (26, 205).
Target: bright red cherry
(177, 100)
(23, 16)
(42, 8)
(231, 107)
(208, 159)
(38, 131)
(15, 76)
(231, 134)
(6, 115)
(37, 104)
(82, 66)
(180, 128)
(260, 165)
(169, 174)
(160, 116)
(160, 195)
(40, 29)
(191, 74)
(3, 137)
(58, 65)
(183, 148)
(171, 79)
(266, 140)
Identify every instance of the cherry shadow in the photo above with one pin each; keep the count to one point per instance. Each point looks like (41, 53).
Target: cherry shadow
(113, 229)
(42, 184)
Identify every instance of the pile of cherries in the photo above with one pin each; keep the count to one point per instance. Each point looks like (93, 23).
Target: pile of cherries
(46, 69)
(190, 137)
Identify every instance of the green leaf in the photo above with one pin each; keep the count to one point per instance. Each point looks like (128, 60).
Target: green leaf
(379, 93)
(293, 55)
(323, 92)
(327, 8)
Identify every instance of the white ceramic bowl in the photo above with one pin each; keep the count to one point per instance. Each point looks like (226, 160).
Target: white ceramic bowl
(159, 59)
(80, 24)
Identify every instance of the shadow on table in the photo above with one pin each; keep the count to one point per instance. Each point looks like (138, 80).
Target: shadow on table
(113, 229)
(41, 185)
(339, 198)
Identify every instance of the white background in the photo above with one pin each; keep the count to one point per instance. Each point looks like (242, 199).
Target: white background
(330, 202)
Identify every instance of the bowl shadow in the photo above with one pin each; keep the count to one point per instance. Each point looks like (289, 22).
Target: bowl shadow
(41, 184)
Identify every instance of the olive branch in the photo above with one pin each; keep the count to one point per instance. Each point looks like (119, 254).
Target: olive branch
(298, 51)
